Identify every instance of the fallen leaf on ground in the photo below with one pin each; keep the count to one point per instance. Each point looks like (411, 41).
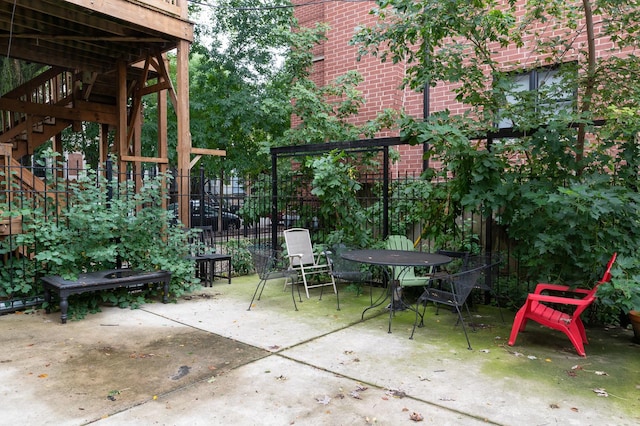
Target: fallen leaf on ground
(601, 392)
(396, 393)
(416, 417)
(324, 400)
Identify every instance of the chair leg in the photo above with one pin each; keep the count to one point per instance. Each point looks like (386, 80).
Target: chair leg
(264, 283)
(416, 320)
(470, 317)
(261, 283)
(306, 285)
(518, 325)
(293, 296)
(574, 335)
(463, 326)
(580, 326)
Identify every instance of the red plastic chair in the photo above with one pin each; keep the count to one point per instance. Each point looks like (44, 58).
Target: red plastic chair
(570, 324)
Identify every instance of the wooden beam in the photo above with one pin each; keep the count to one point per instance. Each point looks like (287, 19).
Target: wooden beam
(194, 161)
(163, 70)
(136, 109)
(84, 111)
(163, 150)
(122, 104)
(164, 85)
(136, 14)
(54, 37)
(205, 151)
(184, 135)
(141, 159)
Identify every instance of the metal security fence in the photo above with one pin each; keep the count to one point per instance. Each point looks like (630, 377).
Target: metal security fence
(238, 211)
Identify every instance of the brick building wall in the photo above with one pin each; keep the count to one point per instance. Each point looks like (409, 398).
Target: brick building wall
(382, 80)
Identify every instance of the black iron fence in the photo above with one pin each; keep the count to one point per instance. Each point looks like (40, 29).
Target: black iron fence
(237, 211)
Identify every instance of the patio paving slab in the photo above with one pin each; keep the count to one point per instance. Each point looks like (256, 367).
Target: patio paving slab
(207, 360)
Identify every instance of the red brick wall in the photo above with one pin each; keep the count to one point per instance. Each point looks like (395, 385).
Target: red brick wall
(382, 80)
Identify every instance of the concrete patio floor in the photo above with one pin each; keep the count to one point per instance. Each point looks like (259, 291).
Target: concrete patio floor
(206, 360)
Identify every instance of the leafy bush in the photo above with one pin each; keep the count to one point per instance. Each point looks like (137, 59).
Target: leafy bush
(93, 232)
(622, 294)
(240, 257)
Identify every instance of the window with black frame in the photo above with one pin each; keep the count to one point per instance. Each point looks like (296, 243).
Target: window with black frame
(538, 95)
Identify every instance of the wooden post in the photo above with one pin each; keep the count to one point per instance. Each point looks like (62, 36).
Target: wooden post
(121, 103)
(103, 144)
(184, 136)
(5, 182)
(163, 150)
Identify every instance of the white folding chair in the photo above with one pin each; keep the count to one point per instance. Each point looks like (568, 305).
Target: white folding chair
(307, 263)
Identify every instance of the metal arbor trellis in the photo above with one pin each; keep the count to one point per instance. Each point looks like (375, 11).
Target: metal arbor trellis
(364, 145)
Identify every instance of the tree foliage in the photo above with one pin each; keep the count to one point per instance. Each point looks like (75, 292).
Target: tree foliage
(566, 192)
(234, 104)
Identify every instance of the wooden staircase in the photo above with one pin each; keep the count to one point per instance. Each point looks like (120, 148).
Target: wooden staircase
(24, 120)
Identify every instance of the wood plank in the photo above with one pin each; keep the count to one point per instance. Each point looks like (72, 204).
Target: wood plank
(184, 133)
(5, 150)
(139, 158)
(139, 15)
(206, 151)
(84, 114)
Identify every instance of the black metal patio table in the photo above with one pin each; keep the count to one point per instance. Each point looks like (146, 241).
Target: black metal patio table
(394, 259)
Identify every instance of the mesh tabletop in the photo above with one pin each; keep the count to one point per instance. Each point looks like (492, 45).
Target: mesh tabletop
(396, 257)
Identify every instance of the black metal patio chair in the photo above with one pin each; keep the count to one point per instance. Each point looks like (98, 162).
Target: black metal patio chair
(451, 290)
(490, 262)
(346, 270)
(270, 265)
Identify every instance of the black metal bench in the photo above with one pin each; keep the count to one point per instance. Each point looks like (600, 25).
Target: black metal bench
(102, 280)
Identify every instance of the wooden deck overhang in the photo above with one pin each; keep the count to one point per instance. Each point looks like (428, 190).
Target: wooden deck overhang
(103, 57)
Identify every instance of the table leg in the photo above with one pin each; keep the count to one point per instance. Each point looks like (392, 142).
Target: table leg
(165, 291)
(384, 296)
(47, 298)
(392, 305)
(64, 306)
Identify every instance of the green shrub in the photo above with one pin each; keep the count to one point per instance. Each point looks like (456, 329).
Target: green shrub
(92, 232)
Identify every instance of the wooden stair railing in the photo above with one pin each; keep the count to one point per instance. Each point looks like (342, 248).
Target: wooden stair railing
(54, 86)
